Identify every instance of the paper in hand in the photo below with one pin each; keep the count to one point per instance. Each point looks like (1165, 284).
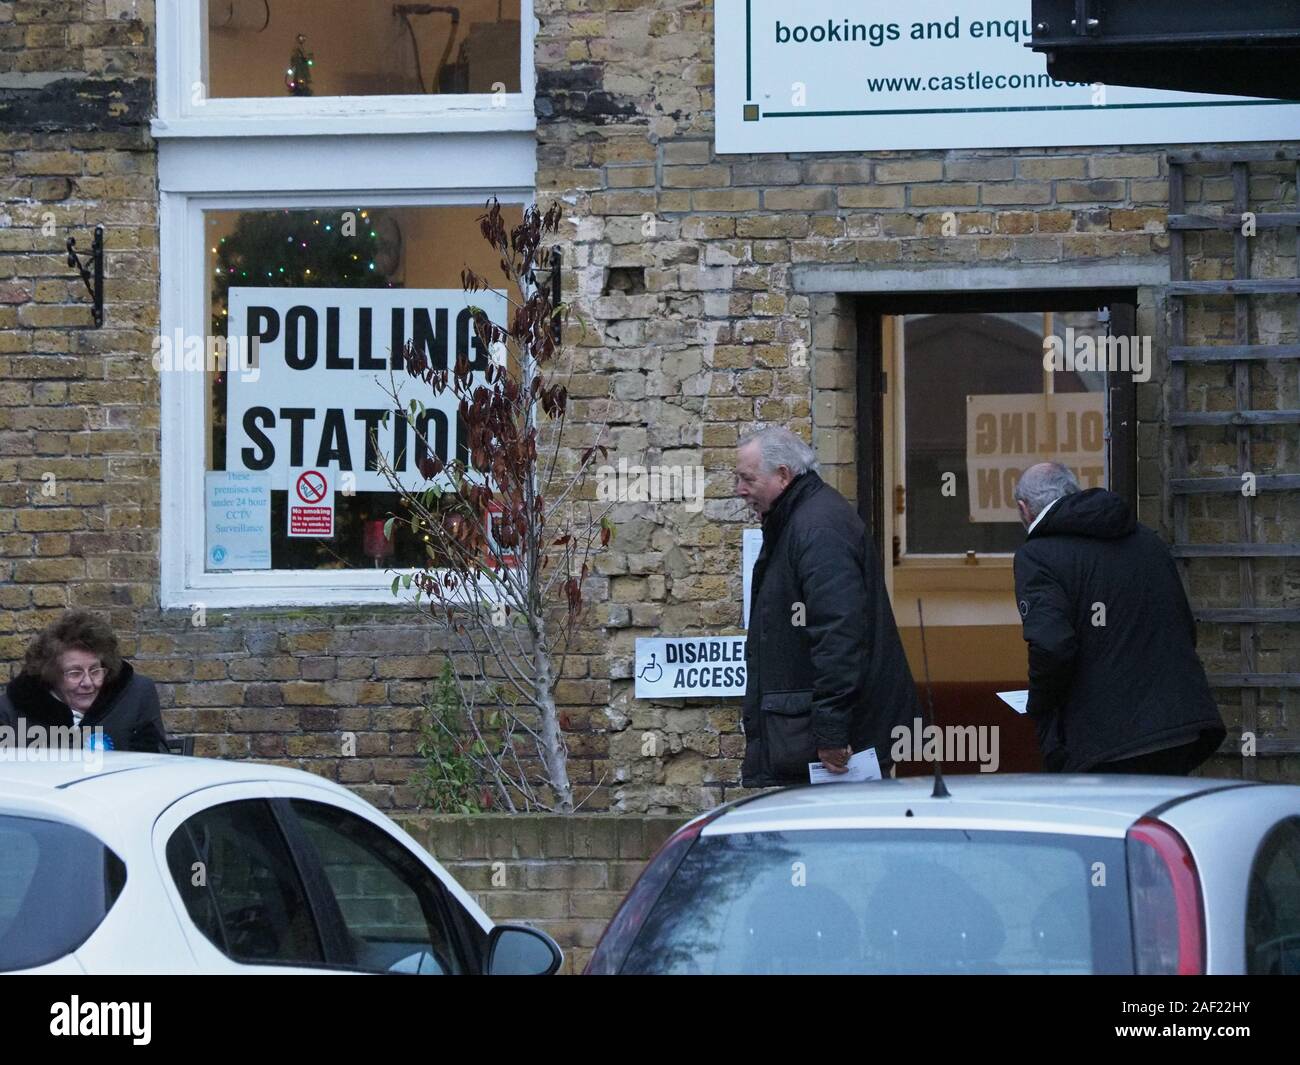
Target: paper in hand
(862, 766)
(1018, 701)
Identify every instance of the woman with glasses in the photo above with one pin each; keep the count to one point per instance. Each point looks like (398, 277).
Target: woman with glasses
(74, 676)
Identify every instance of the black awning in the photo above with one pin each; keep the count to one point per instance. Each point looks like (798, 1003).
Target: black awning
(1217, 46)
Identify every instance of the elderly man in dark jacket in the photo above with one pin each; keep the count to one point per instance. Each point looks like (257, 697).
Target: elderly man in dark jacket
(1114, 682)
(827, 676)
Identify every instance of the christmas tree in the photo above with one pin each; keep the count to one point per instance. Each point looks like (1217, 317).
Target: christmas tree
(297, 79)
(296, 249)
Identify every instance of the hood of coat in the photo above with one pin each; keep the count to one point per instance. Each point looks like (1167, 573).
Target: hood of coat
(1093, 512)
(31, 697)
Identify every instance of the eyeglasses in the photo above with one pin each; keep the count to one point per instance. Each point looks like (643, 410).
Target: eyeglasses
(76, 676)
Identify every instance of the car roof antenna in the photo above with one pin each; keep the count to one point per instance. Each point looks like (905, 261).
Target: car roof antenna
(940, 788)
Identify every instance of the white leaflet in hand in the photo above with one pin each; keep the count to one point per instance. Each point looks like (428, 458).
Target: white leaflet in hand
(862, 766)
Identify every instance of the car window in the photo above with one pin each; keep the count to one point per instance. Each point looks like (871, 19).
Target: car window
(1273, 904)
(397, 915)
(38, 860)
(858, 901)
(241, 888)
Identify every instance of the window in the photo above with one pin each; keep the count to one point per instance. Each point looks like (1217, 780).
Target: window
(356, 66)
(979, 407)
(887, 902)
(1273, 905)
(265, 48)
(298, 226)
(57, 884)
(240, 886)
(394, 910)
(331, 294)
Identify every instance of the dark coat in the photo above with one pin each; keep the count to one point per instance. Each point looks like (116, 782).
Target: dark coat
(1103, 692)
(126, 709)
(841, 677)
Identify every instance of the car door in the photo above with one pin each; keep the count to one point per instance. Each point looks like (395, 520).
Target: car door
(235, 883)
(273, 875)
(385, 911)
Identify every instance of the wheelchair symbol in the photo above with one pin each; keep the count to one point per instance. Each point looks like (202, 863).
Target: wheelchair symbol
(645, 671)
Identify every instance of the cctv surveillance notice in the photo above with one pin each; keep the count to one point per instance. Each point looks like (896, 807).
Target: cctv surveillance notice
(690, 667)
(843, 75)
(326, 362)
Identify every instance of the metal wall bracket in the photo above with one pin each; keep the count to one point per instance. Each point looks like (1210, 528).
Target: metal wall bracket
(93, 278)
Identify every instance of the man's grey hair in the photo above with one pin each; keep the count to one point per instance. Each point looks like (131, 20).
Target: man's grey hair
(1044, 484)
(780, 447)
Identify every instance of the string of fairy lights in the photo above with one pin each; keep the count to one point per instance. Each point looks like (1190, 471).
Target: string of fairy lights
(321, 243)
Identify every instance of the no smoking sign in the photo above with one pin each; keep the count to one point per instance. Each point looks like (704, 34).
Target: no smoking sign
(311, 503)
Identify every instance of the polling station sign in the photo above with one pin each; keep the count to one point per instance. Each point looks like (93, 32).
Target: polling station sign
(325, 358)
(843, 75)
(1005, 435)
(690, 667)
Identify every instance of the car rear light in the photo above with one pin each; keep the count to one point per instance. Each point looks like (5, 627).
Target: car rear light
(1165, 895)
(622, 930)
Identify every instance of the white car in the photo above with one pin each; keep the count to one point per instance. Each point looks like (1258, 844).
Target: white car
(163, 864)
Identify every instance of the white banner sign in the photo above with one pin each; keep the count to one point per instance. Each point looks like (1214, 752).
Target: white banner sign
(842, 75)
(690, 667)
(238, 507)
(324, 360)
(1005, 435)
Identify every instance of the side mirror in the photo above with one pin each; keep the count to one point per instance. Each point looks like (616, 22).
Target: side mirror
(515, 950)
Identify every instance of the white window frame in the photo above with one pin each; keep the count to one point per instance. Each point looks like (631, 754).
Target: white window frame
(184, 109)
(185, 578)
(381, 151)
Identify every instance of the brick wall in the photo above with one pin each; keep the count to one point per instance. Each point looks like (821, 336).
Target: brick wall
(564, 875)
(683, 367)
(691, 337)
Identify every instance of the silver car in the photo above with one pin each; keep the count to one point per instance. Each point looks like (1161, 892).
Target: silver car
(1010, 874)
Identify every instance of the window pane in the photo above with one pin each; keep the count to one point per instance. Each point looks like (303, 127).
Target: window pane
(351, 286)
(1273, 907)
(234, 871)
(270, 48)
(391, 904)
(880, 902)
(981, 406)
(42, 861)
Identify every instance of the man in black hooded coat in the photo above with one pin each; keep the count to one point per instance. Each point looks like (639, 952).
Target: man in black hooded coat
(1115, 684)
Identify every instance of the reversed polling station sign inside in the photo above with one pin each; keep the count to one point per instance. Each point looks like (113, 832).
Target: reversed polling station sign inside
(1005, 435)
(325, 360)
(690, 667)
(842, 75)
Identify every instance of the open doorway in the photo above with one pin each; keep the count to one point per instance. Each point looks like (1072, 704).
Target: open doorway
(957, 395)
